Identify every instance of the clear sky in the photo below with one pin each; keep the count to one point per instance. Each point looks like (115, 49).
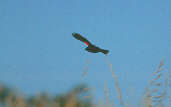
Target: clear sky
(38, 52)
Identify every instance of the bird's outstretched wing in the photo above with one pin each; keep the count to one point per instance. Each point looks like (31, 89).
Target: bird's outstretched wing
(81, 38)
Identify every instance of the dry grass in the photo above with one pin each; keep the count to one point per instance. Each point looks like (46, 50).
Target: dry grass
(70, 99)
(85, 68)
(156, 94)
(116, 82)
(71, 102)
(107, 95)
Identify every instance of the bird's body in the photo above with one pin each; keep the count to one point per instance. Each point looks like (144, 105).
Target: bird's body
(91, 48)
(95, 49)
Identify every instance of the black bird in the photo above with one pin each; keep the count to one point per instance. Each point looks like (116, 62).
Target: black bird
(91, 48)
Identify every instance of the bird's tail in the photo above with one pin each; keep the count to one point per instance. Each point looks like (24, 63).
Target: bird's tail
(105, 51)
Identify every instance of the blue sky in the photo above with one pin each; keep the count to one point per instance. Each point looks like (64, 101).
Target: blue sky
(38, 52)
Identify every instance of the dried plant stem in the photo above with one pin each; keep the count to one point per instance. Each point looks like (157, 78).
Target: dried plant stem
(116, 82)
(147, 92)
(85, 68)
(106, 95)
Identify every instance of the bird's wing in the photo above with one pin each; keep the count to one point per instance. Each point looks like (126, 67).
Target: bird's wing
(81, 38)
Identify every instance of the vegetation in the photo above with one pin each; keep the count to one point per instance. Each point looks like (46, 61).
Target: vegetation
(70, 99)
(156, 94)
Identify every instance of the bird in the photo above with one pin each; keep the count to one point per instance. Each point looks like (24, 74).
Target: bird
(90, 47)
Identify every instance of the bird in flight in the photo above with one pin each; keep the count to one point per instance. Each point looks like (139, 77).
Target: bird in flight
(91, 48)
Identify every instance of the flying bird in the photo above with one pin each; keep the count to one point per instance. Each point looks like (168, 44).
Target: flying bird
(91, 48)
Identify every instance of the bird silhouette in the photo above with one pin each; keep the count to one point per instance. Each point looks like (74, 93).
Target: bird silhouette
(91, 48)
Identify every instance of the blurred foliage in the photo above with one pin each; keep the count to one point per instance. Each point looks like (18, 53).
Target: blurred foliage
(73, 98)
(156, 94)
